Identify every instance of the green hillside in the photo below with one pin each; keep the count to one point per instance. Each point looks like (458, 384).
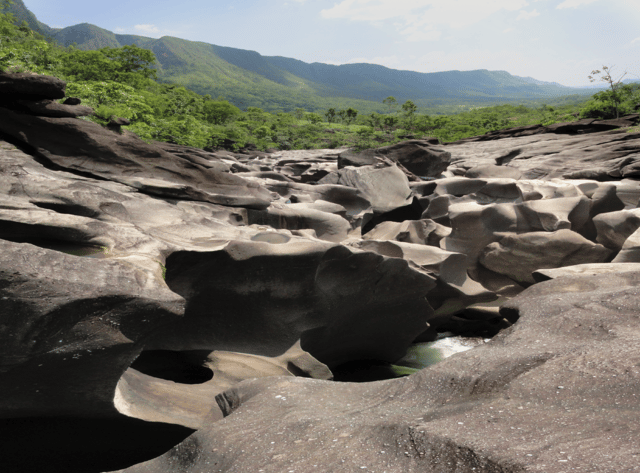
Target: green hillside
(22, 13)
(248, 79)
(86, 36)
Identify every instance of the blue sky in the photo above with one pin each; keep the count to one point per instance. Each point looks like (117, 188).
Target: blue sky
(551, 40)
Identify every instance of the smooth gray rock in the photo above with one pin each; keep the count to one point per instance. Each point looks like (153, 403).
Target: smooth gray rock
(386, 188)
(28, 86)
(557, 390)
(603, 156)
(50, 108)
(425, 232)
(475, 226)
(419, 157)
(81, 146)
(517, 256)
(630, 251)
(586, 269)
(613, 228)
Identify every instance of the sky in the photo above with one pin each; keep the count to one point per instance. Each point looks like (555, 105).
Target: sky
(551, 40)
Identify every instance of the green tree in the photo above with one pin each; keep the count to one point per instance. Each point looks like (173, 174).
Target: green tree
(130, 65)
(330, 115)
(313, 118)
(375, 119)
(351, 114)
(134, 65)
(219, 112)
(391, 102)
(409, 108)
(614, 84)
(390, 121)
(23, 49)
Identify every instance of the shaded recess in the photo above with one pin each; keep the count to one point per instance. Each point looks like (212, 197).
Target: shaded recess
(63, 239)
(185, 367)
(73, 445)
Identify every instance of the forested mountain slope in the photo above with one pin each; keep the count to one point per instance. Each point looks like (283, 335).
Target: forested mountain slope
(247, 78)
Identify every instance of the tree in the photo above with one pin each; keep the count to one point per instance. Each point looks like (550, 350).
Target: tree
(351, 114)
(134, 65)
(614, 84)
(219, 112)
(390, 121)
(375, 120)
(130, 65)
(409, 108)
(391, 102)
(313, 118)
(330, 115)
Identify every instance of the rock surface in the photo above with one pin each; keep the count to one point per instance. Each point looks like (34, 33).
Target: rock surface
(144, 285)
(557, 390)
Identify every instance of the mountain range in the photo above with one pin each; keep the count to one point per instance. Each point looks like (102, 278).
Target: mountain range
(246, 78)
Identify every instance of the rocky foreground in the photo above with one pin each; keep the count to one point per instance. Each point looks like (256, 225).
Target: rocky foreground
(168, 309)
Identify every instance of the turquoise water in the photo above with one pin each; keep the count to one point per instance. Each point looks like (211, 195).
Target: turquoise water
(421, 355)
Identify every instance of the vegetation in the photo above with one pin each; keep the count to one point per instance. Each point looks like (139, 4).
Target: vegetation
(122, 81)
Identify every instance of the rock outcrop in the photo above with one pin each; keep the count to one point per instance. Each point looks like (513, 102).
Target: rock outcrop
(196, 293)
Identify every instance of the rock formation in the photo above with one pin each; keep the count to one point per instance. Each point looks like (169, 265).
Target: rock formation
(186, 297)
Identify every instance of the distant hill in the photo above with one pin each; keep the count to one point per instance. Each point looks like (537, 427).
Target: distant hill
(247, 78)
(22, 13)
(86, 36)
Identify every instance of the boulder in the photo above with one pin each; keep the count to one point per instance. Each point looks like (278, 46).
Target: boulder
(386, 188)
(85, 147)
(327, 226)
(517, 256)
(586, 269)
(603, 156)
(475, 226)
(454, 290)
(419, 157)
(50, 108)
(613, 228)
(260, 297)
(28, 86)
(154, 399)
(425, 232)
(630, 251)
(557, 390)
(71, 326)
(493, 171)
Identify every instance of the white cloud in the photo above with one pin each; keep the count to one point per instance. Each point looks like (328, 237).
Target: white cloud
(421, 20)
(524, 15)
(508, 30)
(148, 29)
(637, 40)
(574, 3)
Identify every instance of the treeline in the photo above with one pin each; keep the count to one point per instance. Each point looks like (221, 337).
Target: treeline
(121, 82)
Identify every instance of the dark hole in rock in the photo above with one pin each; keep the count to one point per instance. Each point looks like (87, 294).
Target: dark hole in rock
(466, 326)
(73, 445)
(67, 247)
(412, 211)
(419, 356)
(69, 209)
(185, 367)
